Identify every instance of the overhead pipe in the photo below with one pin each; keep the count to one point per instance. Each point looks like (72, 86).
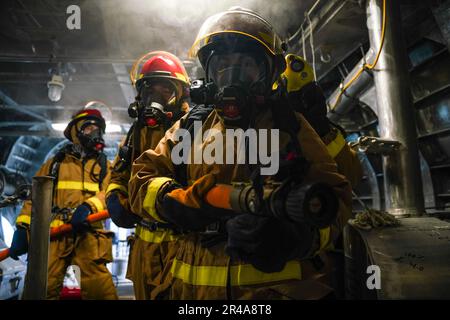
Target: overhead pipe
(73, 59)
(341, 101)
(319, 15)
(13, 104)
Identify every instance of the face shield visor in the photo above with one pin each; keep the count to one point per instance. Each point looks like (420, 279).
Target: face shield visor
(159, 101)
(91, 136)
(248, 71)
(161, 91)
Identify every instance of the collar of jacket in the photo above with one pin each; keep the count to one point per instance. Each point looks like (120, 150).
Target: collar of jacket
(77, 152)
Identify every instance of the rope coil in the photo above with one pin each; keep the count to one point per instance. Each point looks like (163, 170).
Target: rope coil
(371, 218)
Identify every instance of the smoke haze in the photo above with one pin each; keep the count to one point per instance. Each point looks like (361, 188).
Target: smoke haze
(172, 25)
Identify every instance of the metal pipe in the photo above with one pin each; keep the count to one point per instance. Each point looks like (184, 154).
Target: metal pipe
(402, 181)
(4, 124)
(124, 81)
(56, 107)
(73, 59)
(37, 268)
(35, 133)
(13, 104)
(45, 133)
(347, 99)
(322, 15)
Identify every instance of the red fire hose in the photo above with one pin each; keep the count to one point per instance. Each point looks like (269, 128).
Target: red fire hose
(65, 228)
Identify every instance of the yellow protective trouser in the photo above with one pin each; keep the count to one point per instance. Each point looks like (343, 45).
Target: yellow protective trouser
(90, 252)
(149, 264)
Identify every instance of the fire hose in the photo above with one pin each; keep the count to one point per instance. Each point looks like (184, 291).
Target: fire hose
(64, 229)
(314, 204)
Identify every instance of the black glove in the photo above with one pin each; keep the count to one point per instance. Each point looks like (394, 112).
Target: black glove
(310, 101)
(120, 215)
(19, 245)
(79, 222)
(186, 209)
(210, 240)
(187, 218)
(267, 242)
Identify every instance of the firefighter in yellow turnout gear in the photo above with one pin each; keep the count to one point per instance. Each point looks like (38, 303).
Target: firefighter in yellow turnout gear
(82, 173)
(161, 82)
(224, 255)
(306, 97)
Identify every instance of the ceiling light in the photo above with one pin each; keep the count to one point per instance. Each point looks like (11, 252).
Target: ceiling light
(110, 128)
(61, 126)
(113, 128)
(55, 88)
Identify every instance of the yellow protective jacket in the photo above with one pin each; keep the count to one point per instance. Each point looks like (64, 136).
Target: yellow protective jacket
(149, 138)
(119, 183)
(346, 158)
(206, 273)
(74, 186)
(90, 251)
(303, 79)
(119, 180)
(149, 251)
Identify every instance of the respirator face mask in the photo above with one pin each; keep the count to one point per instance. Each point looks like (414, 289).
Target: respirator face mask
(158, 102)
(241, 81)
(91, 136)
(163, 92)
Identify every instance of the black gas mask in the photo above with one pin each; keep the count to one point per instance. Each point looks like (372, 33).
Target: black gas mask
(155, 104)
(91, 140)
(240, 81)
